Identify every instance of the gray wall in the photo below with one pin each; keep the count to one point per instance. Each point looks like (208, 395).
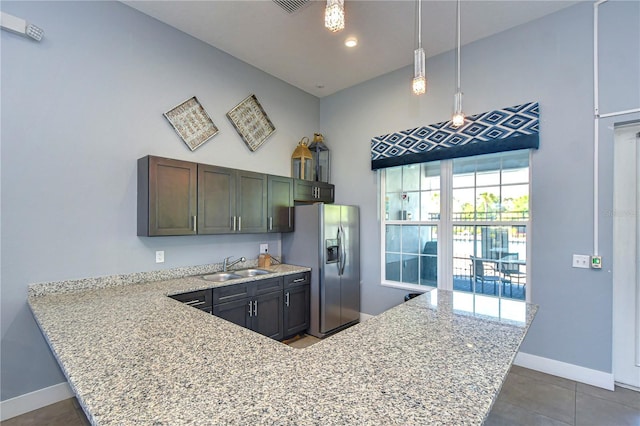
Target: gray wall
(78, 110)
(550, 61)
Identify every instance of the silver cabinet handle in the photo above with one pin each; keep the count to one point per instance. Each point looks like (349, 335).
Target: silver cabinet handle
(255, 309)
(195, 223)
(250, 311)
(196, 302)
(290, 211)
(299, 280)
(270, 223)
(286, 298)
(233, 223)
(239, 223)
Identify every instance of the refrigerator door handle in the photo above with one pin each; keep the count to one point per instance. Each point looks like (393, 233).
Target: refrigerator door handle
(342, 256)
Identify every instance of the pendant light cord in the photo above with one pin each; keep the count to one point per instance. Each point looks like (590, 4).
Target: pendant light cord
(458, 44)
(419, 24)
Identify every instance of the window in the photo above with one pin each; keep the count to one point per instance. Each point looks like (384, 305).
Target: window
(467, 217)
(412, 213)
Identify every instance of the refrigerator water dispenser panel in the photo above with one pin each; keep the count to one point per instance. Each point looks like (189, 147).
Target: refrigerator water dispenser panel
(332, 251)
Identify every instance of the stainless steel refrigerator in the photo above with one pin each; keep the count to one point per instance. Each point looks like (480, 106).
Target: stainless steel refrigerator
(327, 239)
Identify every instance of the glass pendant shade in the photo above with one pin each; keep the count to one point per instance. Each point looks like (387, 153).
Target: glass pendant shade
(458, 116)
(321, 160)
(419, 79)
(334, 15)
(302, 161)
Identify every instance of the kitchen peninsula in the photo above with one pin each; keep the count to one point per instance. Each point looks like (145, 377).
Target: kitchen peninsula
(132, 355)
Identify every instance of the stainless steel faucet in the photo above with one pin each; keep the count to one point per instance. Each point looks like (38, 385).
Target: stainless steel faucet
(226, 264)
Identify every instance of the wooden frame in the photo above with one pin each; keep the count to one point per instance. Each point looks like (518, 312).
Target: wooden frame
(251, 122)
(192, 123)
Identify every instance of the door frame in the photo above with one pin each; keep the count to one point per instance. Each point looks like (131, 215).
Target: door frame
(626, 250)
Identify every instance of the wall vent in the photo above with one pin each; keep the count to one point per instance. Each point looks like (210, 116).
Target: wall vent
(291, 6)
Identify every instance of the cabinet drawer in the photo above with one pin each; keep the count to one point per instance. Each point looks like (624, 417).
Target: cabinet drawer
(231, 292)
(201, 299)
(267, 286)
(297, 279)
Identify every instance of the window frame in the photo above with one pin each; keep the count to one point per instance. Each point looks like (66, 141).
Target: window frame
(445, 225)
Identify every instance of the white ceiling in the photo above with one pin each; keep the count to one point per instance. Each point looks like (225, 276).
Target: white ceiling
(299, 50)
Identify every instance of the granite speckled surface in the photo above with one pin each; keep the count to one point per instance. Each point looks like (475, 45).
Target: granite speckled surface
(135, 357)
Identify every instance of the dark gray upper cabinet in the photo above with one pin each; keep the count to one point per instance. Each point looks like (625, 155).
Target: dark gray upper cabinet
(216, 199)
(231, 201)
(167, 197)
(184, 198)
(279, 204)
(251, 202)
(307, 191)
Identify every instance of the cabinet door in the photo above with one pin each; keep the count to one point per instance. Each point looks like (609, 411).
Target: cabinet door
(167, 196)
(267, 315)
(306, 191)
(279, 204)
(251, 202)
(296, 310)
(303, 190)
(216, 199)
(325, 192)
(238, 312)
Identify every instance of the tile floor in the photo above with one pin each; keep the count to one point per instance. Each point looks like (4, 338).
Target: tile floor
(527, 398)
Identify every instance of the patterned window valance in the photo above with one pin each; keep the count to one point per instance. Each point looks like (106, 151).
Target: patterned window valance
(504, 129)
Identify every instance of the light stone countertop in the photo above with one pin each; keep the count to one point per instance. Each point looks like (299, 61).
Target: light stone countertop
(136, 357)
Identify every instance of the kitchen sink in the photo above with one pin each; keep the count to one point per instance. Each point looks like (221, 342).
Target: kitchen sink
(221, 276)
(252, 272)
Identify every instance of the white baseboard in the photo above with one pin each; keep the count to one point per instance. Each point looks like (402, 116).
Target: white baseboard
(565, 370)
(33, 400)
(364, 317)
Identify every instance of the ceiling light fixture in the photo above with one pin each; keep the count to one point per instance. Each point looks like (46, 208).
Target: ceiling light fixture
(334, 15)
(419, 80)
(458, 116)
(351, 42)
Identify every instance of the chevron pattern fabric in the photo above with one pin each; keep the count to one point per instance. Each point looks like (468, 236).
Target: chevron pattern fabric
(505, 129)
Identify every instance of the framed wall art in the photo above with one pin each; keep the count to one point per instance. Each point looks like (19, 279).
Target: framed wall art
(192, 123)
(251, 122)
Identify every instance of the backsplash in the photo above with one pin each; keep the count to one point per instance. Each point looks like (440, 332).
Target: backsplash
(92, 283)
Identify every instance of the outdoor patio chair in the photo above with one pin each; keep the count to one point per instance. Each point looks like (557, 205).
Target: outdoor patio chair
(481, 273)
(509, 267)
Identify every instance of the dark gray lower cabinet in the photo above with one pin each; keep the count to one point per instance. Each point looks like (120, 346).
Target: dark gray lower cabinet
(274, 307)
(296, 304)
(236, 312)
(256, 305)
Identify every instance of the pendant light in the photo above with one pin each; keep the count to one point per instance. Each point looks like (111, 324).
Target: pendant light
(458, 116)
(419, 80)
(334, 15)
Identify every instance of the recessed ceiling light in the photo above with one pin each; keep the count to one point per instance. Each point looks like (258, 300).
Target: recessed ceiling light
(351, 42)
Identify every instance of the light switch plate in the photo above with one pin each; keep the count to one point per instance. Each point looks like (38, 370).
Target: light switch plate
(264, 248)
(160, 256)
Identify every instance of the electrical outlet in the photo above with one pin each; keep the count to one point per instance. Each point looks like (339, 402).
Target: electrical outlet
(160, 256)
(581, 261)
(264, 248)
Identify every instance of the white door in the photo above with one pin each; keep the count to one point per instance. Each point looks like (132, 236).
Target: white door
(626, 255)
